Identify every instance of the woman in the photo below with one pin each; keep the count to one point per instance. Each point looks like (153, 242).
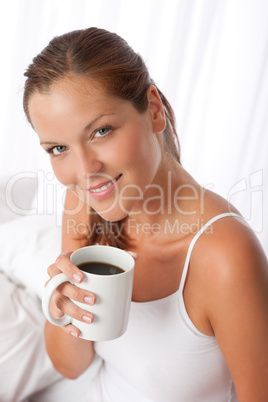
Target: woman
(198, 323)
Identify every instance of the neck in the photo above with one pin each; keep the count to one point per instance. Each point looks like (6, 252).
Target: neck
(172, 195)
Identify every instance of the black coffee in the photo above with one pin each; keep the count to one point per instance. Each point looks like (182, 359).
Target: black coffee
(100, 268)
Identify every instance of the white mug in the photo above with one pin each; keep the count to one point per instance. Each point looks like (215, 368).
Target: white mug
(113, 293)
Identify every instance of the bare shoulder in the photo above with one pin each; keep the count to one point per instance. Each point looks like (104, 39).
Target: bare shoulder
(233, 272)
(231, 251)
(228, 260)
(229, 248)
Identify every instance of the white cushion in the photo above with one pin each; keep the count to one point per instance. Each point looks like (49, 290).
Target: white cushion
(24, 365)
(26, 371)
(29, 245)
(17, 193)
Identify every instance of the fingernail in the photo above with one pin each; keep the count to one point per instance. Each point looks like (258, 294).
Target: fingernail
(87, 318)
(89, 300)
(74, 334)
(134, 255)
(77, 278)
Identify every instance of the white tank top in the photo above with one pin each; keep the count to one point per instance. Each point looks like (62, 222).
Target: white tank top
(163, 357)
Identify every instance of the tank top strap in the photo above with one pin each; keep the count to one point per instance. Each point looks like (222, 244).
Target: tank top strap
(195, 238)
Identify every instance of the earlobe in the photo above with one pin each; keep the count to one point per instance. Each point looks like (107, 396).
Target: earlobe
(156, 109)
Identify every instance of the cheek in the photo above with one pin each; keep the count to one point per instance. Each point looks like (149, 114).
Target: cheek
(143, 153)
(130, 149)
(63, 172)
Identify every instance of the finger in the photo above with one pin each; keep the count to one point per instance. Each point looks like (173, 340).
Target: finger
(53, 305)
(53, 270)
(65, 292)
(134, 255)
(67, 307)
(65, 265)
(75, 293)
(71, 330)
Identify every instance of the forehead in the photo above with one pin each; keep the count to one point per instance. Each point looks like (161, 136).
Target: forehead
(71, 96)
(75, 87)
(71, 105)
(86, 86)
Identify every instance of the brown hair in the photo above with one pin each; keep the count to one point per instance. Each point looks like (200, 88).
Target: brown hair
(107, 58)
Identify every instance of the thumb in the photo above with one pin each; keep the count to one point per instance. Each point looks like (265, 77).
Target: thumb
(134, 255)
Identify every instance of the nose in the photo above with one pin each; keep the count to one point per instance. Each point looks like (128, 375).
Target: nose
(87, 164)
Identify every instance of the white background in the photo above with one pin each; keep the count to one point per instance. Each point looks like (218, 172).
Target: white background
(209, 57)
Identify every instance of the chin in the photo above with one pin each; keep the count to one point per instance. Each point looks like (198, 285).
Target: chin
(113, 216)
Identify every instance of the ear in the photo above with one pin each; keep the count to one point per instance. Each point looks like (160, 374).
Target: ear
(156, 109)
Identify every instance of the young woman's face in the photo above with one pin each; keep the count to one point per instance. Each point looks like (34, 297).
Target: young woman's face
(100, 146)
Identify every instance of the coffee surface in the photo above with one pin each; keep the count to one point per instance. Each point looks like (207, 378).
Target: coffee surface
(100, 268)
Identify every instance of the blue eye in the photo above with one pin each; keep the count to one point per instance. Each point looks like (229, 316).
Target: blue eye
(102, 132)
(57, 150)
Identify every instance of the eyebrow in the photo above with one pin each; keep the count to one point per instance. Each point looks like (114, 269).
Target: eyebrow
(88, 126)
(48, 143)
(96, 119)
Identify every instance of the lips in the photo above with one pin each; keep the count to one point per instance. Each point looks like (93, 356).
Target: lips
(103, 189)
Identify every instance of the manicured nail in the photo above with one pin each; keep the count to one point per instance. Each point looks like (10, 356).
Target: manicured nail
(134, 255)
(87, 318)
(89, 299)
(77, 278)
(74, 334)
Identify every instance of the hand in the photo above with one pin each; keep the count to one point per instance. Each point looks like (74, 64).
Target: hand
(60, 302)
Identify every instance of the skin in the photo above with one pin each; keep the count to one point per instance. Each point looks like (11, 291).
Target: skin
(226, 291)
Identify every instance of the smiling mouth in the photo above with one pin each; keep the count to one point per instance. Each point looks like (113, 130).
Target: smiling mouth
(104, 186)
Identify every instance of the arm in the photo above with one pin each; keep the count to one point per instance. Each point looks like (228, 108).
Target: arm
(237, 306)
(70, 355)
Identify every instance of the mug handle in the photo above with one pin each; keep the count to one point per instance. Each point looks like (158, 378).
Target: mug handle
(49, 289)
